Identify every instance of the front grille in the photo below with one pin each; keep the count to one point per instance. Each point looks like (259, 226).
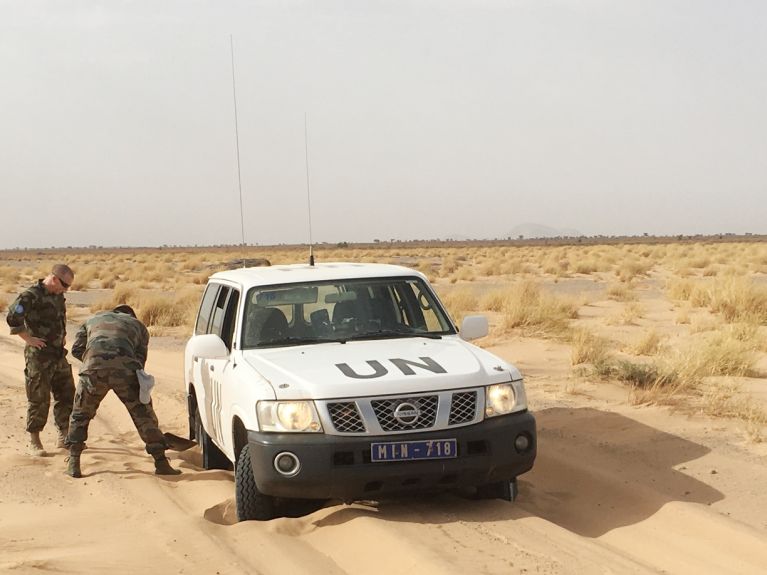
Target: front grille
(463, 407)
(346, 418)
(376, 415)
(385, 410)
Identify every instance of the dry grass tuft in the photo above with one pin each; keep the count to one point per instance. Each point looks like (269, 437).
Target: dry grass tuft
(527, 307)
(738, 299)
(459, 303)
(621, 292)
(83, 277)
(631, 269)
(9, 278)
(588, 348)
(649, 344)
(155, 309)
(165, 311)
(683, 371)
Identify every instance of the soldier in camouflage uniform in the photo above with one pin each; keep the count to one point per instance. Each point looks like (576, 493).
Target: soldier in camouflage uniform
(112, 345)
(38, 316)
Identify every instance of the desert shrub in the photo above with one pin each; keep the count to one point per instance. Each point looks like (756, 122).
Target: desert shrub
(449, 265)
(165, 311)
(738, 299)
(122, 294)
(631, 268)
(464, 274)
(192, 263)
(494, 300)
(108, 282)
(620, 292)
(684, 370)
(459, 303)
(588, 348)
(512, 266)
(489, 269)
(680, 289)
(641, 375)
(586, 267)
(649, 344)
(699, 262)
(9, 277)
(529, 308)
(84, 275)
(630, 313)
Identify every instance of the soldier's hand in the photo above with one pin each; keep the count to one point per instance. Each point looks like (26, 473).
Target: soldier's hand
(34, 341)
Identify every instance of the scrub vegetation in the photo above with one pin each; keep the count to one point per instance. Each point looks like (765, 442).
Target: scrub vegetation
(681, 323)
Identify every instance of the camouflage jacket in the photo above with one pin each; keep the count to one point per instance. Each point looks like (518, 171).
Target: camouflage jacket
(111, 340)
(41, 314)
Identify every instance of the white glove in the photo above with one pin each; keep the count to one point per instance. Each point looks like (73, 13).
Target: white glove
(145, 384)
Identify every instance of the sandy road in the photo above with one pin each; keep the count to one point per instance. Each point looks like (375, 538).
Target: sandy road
(614, 490)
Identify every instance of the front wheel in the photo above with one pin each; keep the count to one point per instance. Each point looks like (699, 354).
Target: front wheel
(507, 490)
(212, 456)
(251, 503)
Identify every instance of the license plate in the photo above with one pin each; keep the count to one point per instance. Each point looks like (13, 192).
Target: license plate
(414, 450)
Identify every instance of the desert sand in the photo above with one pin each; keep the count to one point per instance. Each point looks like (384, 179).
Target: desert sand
(615, 489)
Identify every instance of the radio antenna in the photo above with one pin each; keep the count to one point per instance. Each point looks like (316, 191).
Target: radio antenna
(308, 195)
(237, 140)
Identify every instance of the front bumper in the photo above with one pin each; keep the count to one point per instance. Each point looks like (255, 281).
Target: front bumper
(334, 467)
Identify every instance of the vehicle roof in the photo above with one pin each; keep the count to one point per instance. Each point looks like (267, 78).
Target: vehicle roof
(300, 273)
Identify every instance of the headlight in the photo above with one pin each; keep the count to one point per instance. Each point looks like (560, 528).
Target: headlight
(281, 416)
(500, 399)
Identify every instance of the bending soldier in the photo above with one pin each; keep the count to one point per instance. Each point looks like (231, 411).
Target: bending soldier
(38, 316)
(112, 345)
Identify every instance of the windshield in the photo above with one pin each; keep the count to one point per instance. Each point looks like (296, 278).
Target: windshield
(340, 311)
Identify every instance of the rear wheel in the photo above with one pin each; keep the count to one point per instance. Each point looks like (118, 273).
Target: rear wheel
(251, 503)
(212, 456)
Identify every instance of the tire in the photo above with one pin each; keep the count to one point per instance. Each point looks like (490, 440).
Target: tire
(251, 503)
(212, 456)
(506, 490)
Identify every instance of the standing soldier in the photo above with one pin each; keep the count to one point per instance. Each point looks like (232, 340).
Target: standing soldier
(112, 345)
(39, 317)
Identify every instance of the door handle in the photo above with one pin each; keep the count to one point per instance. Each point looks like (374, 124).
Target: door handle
(212, 368)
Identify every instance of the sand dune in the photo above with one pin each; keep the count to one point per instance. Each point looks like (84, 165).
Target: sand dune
(615, 489)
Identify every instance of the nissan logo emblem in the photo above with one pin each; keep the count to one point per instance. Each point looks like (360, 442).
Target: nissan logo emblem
(407, 413)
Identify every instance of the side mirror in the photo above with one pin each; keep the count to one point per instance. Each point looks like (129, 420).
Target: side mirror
(208, 346)
(474, 327)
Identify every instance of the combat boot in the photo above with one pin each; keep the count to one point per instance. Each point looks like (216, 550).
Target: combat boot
(73, 466)
(162, 467)
(35, 446)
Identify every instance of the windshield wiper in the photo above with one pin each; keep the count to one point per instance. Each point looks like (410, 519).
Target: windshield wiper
(293, 341)
(389, 333)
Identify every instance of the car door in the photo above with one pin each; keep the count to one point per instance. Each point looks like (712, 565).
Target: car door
(218, 371)
(199, 368)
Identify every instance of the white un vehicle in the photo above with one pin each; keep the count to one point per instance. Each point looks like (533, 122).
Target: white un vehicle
(348, 381)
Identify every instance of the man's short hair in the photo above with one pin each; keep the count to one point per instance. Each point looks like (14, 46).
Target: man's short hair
(62, 270)
(124, 308)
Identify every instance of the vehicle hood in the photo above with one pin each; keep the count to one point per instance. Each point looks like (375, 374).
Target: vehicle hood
(377, 367)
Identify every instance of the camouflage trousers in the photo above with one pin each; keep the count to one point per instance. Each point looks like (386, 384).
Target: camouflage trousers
(91, 390)
(45, 375)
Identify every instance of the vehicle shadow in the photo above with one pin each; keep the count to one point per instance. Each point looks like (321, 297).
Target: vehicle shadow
(598, 470)
(595, 471)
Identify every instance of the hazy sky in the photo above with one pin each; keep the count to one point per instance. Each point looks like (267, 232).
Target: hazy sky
(426, 119)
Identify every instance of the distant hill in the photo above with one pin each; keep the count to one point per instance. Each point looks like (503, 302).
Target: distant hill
(529, 231)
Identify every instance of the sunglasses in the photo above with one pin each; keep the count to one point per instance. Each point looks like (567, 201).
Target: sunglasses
(64, 284)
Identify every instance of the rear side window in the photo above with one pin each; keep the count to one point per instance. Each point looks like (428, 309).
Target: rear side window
(206, 309)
